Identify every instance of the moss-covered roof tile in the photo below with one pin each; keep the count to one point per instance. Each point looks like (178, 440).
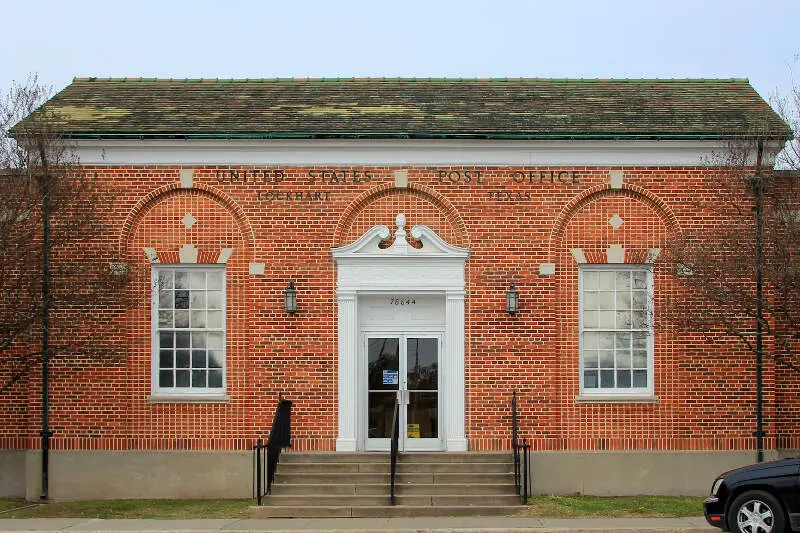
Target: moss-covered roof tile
(413, 108)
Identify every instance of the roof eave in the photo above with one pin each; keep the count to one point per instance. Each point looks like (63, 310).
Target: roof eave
(777, 136)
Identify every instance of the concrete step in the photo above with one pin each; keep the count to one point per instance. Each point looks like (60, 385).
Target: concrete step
(465, 468)
(332, 478)
(484, 490)
(328, 478)
(333, 457)
(331, 468)
(297, 489)
(403, 468)
(400, 488)
(342, 500)
(455, 457)
(318, 500)
(383, 457)
(357, 485)
(460, 477)
(379, 511)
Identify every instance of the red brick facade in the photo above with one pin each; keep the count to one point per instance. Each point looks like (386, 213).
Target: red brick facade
(513, 219)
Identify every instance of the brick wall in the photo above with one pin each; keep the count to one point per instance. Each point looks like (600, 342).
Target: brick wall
(513, 220)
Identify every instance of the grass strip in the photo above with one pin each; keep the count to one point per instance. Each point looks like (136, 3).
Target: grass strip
(578, 506)
(7, 504)
(540, 506)
(146, 509)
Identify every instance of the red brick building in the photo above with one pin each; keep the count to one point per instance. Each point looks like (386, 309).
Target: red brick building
(403, 212)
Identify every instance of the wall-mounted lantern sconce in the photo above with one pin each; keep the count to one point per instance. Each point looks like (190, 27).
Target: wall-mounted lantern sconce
(512, 299)
(290, 298)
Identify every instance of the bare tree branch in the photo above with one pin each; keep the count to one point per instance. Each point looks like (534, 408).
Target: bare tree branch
(718, 267)
(36, 163)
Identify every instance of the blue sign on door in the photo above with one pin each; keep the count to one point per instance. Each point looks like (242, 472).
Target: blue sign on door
(391, 377)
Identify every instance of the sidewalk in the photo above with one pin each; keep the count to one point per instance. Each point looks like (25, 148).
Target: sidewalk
(367, 525)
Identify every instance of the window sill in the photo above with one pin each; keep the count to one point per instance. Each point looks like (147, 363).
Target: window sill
(610, 398)
(188, 398)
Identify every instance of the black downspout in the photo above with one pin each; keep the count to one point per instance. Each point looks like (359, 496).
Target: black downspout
(759, 207)
(45, 185)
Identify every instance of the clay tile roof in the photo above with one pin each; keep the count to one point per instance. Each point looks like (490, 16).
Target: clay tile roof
(413, 108)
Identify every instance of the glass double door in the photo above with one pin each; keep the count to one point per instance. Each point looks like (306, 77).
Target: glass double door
(403, 369)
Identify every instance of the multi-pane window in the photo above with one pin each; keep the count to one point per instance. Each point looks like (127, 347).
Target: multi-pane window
(189, 329)
(616, 329)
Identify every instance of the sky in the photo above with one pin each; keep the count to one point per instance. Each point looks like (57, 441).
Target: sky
(59, 40)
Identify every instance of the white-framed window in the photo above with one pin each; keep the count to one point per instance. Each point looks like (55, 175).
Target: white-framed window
(616, 329)
(188, 330)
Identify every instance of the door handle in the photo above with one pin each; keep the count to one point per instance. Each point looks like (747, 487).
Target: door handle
(402, 397)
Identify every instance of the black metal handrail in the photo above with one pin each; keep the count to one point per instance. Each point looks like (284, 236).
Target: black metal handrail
(279, 437)
(522, 455)
(526, 466)
(515, 438)
(395, 448)
(259, 472)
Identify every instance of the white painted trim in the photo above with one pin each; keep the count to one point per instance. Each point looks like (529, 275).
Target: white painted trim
(159, 395)
(397, 152)
(578, 255)
(633, 398)
(453, 366)
(615, 179)
(346, 440)
(152, 255)
(188, 253)
(652, 255)
(547, 269)
(187, 178)
(615, 254)
(438, 268)
(401, 179)
(224, 255)
(367, 245)
(188, 398)
(646, 392)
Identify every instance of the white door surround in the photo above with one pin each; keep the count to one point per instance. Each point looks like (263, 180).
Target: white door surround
(436, 268)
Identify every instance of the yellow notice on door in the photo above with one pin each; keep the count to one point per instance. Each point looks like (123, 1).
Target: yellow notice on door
(413, 431)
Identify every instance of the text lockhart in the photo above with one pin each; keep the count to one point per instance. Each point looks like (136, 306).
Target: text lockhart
(293, 196)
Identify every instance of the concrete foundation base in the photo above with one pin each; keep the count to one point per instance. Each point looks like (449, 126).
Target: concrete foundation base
(629, 473)
(12, 473)
(88, 475)
(99, 475)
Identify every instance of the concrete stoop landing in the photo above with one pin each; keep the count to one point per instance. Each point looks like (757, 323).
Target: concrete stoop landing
(356, 485)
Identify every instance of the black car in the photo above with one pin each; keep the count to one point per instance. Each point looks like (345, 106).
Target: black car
(761, 498)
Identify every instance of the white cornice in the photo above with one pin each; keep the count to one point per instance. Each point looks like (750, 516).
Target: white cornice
(368, 245)
(364, 266)
(396, 152)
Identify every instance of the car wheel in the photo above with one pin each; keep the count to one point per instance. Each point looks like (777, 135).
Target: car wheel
(756, 511)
